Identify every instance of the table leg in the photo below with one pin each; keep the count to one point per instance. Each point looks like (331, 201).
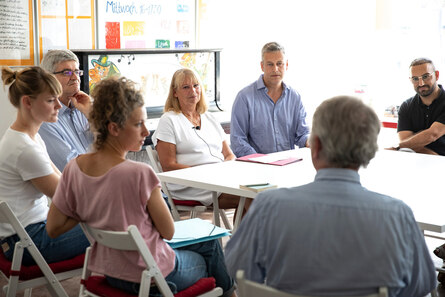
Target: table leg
(216, 209)
(239, 213)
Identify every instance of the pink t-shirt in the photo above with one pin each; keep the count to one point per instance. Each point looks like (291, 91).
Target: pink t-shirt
(114, 201)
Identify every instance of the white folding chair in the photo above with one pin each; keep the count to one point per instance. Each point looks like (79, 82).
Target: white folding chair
(131, 240)
(247, 288)
(25, 278)
(186, 205)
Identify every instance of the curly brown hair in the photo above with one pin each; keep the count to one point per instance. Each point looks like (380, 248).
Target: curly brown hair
(114, 101)
(30, 81)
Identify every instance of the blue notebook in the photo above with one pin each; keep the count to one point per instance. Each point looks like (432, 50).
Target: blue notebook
(196, 230)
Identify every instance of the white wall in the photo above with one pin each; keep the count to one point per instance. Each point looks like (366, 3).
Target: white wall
(7, 111)
(334, 47)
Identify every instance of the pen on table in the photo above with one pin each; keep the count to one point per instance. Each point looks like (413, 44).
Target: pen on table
(212, 230)
(257, 185)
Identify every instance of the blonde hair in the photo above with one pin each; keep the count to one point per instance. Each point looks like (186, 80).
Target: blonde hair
(30, 81)
(172, 103)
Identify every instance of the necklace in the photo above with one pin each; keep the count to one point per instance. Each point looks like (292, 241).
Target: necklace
(195, 122)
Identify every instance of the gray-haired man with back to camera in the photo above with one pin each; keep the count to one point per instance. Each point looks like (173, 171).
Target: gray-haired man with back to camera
(70, 135)
(333, 236)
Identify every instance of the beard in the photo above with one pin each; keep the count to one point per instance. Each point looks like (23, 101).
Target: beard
(427, 92)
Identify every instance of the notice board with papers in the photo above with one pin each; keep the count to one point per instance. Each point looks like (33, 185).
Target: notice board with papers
(16, 32)
(132, 24)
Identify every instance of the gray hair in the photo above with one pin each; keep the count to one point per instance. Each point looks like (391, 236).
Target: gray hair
(348, 131)
(53, 57)
(272, 47)
(421, 61)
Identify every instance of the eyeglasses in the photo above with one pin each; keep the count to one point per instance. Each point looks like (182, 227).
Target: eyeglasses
(69, 73)
(424, 77)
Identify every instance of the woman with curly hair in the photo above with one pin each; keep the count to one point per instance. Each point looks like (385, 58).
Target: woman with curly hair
(108, 191)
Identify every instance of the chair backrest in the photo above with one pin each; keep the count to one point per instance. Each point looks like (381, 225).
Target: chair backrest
(8, 217)
(156, 165)
(154, 159)
(131, 240)
(53, 285)
(249, 288)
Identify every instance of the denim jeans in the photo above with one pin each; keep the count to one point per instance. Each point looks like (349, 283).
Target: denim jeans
(66, 246)
(192, 263)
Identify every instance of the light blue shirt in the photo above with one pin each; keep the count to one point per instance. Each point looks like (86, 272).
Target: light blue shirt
(332, 237)
(68, 137)
(258, 125)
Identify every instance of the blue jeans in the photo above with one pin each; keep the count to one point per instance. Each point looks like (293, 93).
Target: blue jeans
(66, 246)
(192, 263)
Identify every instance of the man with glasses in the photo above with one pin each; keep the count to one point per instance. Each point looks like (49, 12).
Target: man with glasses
(70, 135)
(268, 115)
(421, 124)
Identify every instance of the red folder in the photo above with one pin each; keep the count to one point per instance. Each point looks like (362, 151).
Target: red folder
(282, 162)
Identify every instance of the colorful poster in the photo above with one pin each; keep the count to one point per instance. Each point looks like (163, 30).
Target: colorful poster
(160, 43)
(153, 72)
(146, 23)
(112, 35)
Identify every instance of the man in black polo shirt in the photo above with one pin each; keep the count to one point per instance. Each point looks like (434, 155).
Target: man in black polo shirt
(421, 125)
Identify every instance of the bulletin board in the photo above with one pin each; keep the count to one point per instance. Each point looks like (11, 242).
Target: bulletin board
(65, 24)
(130, 24)
(16, 33)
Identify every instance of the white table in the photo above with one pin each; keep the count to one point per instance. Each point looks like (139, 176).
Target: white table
(226, 177)
(416, 179)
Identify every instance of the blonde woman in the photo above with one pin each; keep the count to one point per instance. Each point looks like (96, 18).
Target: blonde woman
(187, 135)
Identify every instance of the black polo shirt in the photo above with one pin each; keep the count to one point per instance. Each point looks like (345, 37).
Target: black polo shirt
(415, 116)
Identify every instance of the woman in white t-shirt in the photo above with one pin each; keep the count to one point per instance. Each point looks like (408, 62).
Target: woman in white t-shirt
(187, 135)
(27, 175)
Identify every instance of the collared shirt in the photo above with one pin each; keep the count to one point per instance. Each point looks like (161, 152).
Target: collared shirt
(68, 137)
(332, 236)
(258, 125)
(415, 116)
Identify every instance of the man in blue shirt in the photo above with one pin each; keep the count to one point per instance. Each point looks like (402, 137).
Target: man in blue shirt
(333, 236)
(70, 135)
(268, 115)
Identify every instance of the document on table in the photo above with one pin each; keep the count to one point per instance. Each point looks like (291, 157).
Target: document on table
(278, 158)
(195, 230)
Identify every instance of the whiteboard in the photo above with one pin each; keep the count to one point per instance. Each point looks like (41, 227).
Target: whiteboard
(127, 24)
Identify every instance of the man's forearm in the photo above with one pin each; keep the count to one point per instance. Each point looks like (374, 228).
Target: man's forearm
(418, 141)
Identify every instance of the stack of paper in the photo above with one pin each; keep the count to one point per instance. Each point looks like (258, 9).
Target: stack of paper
(258, 187)
(192, 231)
(279, 158)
